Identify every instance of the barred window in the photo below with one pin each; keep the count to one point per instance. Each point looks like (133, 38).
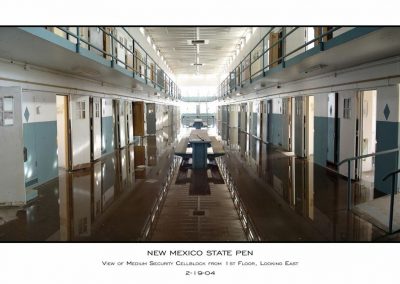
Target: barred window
(347, 108)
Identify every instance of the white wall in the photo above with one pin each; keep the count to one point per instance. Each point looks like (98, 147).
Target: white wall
(41, 106)
(12, 186)
(321, 105)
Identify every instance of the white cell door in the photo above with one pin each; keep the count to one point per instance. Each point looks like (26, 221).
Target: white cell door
(347, 115)
(299, 127)
(129, 121)
(122, 124)
(80, 130)
(285, 123)
(96, 128)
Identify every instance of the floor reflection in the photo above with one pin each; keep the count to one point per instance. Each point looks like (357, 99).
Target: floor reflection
(109, 201)
(313, 193)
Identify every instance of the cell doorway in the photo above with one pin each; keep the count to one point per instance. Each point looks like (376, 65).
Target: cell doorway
(367, 137)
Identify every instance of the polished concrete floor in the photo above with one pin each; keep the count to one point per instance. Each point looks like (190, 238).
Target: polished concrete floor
(137, 194)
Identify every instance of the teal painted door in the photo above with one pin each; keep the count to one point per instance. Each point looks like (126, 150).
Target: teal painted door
(299, 127)
(30, 165)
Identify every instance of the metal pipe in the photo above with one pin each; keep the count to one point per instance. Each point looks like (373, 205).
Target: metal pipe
(392, 204)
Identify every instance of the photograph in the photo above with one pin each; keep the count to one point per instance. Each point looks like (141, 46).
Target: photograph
(202, 153)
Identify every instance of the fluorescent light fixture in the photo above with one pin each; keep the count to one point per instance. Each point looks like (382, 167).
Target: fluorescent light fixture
(154, 46)
(149, 39)
(313, 68)
(141, 29)
(158, 52)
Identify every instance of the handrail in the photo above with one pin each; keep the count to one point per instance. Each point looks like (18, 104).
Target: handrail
(225, 91)
(349, 160)
(368, 155)
(168, 86)
(393, 192)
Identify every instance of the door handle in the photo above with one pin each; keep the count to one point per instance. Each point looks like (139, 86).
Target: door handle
(25, 154)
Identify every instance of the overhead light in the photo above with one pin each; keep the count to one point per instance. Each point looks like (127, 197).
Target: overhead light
(197, 41)
(154, 46)
(141, 29)
(149, 39)
(158, 52)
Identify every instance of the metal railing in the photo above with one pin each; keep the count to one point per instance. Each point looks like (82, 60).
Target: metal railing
(392, 193)
(134, 58)
(349, 160)
(257, 61)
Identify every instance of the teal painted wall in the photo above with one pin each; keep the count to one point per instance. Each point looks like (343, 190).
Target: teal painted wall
(107, 135)
(331, 139)
(40, 138)
(31, 175)
(387, 136)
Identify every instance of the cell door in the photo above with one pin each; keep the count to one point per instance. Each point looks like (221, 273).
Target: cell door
(332, 128)
(96, 128)
(129, 121)
(80, 131)
(299, 127)
(269, 119)
(286, 123)
(151, 118)
(120, 107)
(348, 134)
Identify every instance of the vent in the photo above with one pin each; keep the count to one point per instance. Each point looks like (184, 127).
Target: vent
(197, 41)
(199, 212)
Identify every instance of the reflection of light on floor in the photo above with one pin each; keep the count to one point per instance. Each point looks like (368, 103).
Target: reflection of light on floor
(243, 216)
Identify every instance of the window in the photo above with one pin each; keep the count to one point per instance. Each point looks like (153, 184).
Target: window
(81, 110)
(347, 108)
